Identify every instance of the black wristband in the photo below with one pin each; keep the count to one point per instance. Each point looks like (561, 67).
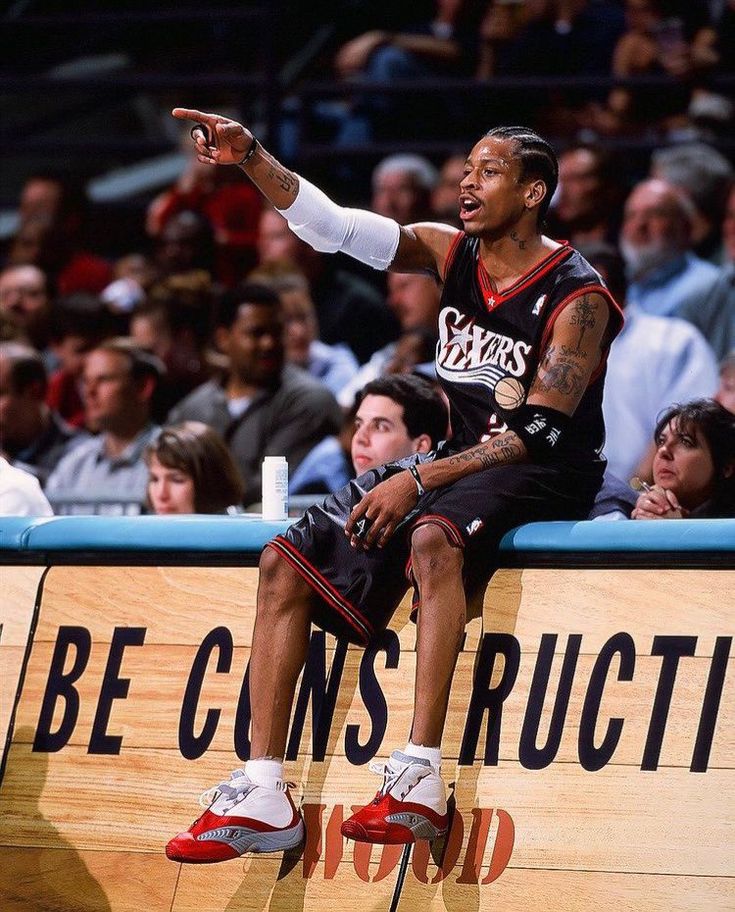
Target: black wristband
(417, 478)
(249, 154)
(539, 427)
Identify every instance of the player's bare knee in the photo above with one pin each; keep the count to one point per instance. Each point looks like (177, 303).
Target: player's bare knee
(276, 579)
(279, 585)
(432, 555)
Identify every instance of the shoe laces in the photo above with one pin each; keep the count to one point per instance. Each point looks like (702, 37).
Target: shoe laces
(233, 789)
(391, 772)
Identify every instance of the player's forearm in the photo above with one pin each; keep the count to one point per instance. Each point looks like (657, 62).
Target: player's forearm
(506, 449)
(278, 184)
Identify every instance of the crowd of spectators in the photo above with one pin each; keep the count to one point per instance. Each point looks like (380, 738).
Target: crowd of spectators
(240, 341)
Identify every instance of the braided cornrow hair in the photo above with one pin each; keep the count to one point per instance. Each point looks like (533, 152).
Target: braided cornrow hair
(538, 160)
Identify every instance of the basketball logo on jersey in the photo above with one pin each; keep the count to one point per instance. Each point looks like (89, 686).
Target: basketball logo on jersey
(538, 305)
(468, 353)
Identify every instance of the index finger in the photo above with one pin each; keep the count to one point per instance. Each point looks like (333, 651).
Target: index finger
(200, 116)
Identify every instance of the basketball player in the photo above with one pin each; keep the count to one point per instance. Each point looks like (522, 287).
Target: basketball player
(525, 325)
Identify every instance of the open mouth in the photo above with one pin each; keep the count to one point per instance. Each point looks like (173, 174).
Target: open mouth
(468, 206)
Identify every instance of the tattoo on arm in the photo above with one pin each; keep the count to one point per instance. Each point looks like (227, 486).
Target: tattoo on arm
(500, 451)
(584, 315)
(560, 370)
(275, 171)
(285, 179)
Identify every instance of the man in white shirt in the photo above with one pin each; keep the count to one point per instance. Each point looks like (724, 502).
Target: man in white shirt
(20, 493)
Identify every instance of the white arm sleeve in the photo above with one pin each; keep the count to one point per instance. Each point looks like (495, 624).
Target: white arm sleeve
(327, 227)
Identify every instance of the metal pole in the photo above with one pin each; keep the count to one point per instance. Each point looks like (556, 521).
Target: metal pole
(401, 877)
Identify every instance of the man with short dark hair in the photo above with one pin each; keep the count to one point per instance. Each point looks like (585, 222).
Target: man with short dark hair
(32, 436)
(392, 417)
(262, 407)
(108, 473)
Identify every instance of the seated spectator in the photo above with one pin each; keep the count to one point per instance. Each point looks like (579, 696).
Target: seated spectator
(501, 25)
(396, 417)
(20, 493)
(656, 244)
(725, 394)
(559, 37)
(32, 436)
(445, 195)
(414, 298)
(332, 365)
(25, 300)
(108, 472)
(714, 312)
(51, 235)
(654, 361)
(174, 324)
(442, 45)
(402, 187)
(694, 465)
(262, 407)
(393, 417)
(656, 42)
(414, 352)
(185, 243)
(79, 322)
(706, 176)
(134, 275)
(587, 204)
(230, 205)
(191, 471)
(348, 309)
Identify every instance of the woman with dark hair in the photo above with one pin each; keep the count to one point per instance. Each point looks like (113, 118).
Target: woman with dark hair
(694, 464)
(192, 471)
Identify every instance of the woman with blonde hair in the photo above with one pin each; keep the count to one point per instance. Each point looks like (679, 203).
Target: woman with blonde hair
(192, 471)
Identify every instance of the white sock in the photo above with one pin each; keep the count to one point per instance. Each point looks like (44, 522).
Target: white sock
(265, 771)
(432, 754)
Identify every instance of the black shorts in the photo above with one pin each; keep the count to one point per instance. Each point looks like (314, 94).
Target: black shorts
(360, 590)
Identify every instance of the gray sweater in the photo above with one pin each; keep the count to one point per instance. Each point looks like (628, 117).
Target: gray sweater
(286, 421)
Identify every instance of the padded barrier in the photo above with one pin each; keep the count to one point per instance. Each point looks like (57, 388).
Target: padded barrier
(589, 737)
(680, 535)
(140, 533)
(249, 533)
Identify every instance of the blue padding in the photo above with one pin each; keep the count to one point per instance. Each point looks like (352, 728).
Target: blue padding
(249, 533)
(12, 531)
(246, 533)
(635, 535)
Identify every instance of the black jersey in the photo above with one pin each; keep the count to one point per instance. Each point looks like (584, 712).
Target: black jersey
(490, 344)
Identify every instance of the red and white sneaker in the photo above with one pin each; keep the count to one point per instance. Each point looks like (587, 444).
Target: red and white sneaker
(240, 817)
(410, 805)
